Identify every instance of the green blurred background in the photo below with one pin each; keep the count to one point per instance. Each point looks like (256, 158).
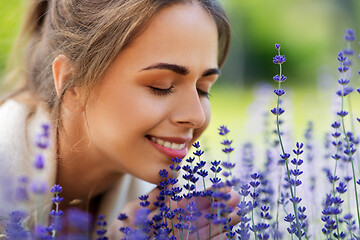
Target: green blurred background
(310, 33)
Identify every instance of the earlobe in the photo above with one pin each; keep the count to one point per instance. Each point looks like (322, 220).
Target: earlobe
(62, 73)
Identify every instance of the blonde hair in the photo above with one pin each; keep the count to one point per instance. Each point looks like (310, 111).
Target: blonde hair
(90, 34)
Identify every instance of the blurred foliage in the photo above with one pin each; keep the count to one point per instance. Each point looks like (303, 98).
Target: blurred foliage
(310, 32)
(11, 16)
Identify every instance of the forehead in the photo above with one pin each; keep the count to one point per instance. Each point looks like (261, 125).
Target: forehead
(185, 32)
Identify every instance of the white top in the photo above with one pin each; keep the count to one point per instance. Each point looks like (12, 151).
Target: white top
(19, 125)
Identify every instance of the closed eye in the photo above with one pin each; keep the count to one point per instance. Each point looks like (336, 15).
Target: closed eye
(203, 93)
(162, 91)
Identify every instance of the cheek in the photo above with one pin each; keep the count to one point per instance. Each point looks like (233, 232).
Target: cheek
(125, 111)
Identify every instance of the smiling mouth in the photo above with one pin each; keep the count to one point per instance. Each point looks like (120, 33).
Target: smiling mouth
(171, 145)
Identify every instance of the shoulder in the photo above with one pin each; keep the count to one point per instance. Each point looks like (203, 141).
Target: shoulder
(13, 117)
(128, 188)
(19, 125)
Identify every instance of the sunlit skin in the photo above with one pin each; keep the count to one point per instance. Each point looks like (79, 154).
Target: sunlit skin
(156, 90)
(156, 87)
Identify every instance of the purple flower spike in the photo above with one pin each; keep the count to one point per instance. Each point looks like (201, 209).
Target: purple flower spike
(276, 78)
(279, 59)
(46, 128)
(223, 130)
(348, 52)
(21, 194)
(228, 150)
(196, 145)
(350, 35)
(255, 176)
(122, 217)
(343, 81)
(198, 153)
(343, 69)
(39, 161)
(176, 160)
(295, 199)
(57, 199)
(38, 187)
(56, 213)
(14, 229)
(341, 93)
(350, 31)
(279, 92)
(277, 112)
(342, 113)
(279, 79)
(335, 125)
(56, 189)
(283, 78)
(289, 218)
(163, 173)
(285, 156)
(277, 46)
(42, 141)
(226, 142)
(23, 179)
(341, 57)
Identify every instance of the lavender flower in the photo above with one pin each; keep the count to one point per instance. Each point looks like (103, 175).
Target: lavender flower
(101, 231)
(254, 195)
(280, 59)
(56, 213)
(14, 229)
(79, 224)
(22, 193)
(43, 139)
(350, 35)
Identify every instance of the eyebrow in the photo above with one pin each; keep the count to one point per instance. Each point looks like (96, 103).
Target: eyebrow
(182, 70)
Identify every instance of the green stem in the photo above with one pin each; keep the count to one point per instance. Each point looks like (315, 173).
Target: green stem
(172, 222)
(333, 185)
(286, 162)
(56, 210)
(287, 167)
(211, 214)
(294, 203)
(278, 202)
(188, 232)
(292, 238)
(351, 160)
(219, 216)
(252, 217)
(181, 230)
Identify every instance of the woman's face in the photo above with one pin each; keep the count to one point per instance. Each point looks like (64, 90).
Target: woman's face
(152, 102)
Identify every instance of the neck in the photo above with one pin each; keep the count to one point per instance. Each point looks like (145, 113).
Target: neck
(82, 170)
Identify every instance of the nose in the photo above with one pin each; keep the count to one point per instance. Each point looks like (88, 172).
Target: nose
(189, 111)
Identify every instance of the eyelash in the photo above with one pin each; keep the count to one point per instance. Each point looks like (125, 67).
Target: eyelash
(169, 91)
(163, 92)
(203, 93)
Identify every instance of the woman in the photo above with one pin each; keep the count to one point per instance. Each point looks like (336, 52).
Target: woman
(125, 84)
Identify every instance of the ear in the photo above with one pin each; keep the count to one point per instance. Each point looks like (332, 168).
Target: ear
(62, 73)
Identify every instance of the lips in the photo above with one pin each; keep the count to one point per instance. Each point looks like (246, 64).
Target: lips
(172, 147)
(167, 144)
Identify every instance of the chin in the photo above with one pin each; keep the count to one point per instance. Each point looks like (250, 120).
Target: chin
(153, 176)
